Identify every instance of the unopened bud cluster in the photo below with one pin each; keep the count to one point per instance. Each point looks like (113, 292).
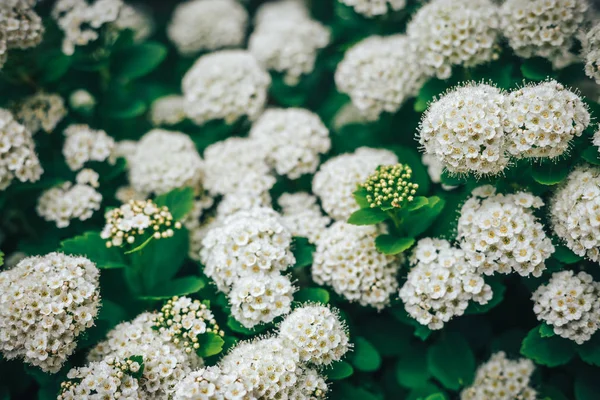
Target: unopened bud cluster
(390, 186)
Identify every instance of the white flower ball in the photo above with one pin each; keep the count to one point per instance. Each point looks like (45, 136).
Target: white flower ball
(374, 8)
(274, 10)
(83, 144)
(591, 52)
(167, 110)
(42, 111)
(302, 215)
(20, 27)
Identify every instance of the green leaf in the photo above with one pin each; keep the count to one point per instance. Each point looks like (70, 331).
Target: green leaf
(552, 351)
(451, 361)
(549, 173)
(361, 198)
(179, 201)
(365, 356)
(210, 344)
(411, 369)
(422, 392)
(565, 255)
(235, 326)
(498, 290)
(112, 312)
(590, 351)
(367, 216)
(388, 244)
(92, 246)
(436, 396)
(339, 370)
(177, 287)
(536, 69)
(54, 65)
(419, 221)
(591, 155)
(417, 203)
(546, 330)
(123, 103)
(303, 252)
(312, 295)
(1, 258)
(346, 391)
(138, 60)
(587, 386)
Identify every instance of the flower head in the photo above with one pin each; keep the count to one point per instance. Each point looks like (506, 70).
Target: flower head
(42, 111)
(83, 144)
(374, 8)
(390, 186)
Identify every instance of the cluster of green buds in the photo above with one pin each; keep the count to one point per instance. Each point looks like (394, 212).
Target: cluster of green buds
(390, 186)
(184, 320)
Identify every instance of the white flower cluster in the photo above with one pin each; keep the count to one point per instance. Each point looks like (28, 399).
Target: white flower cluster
(441, 284)
(292, 140)
(454, 32)
(502, 379)
(542, 28)
(167, 110)
(63, 203)
(570, 303)
(272, 10)
(210, 383)
(591, 52)
(347, 260)
(83, 144)
(138, 19)
(17, 152)
(575, 212)
(226, 85)
(302, 215)
(243, 199)
(207, 25)
(374, 8)
(500, 233)
(287, 44)
(379, 74)
(82, 100)
(541, 120)
(163, 161)
(81, 21)
(45, 303)
(339, 177)
(20, 26)
(42, 111)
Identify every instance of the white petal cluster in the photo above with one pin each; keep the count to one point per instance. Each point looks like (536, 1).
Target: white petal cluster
(241, 200)
(287, 44)
(20, 27)
(42, 111)
(272, 10)
(69, 201)
(454, 32)
(163, 161)
(542, 28)
(339, 177)
(138, 19)
(211, 383)
(207, 25)
(17, 152)
(45, 303)
(441, 284)
(379, 74)
(167, 110)
(591, 53)
(83, 144)
(81, 21)
(374, 8)
(500, 233)
(570, 303)
(292, 140)
(225, 85)
(542, 119)
(346, 259)
(502, 379)
(302, 215)
(81, 100)
(575, 212)
(464, 129)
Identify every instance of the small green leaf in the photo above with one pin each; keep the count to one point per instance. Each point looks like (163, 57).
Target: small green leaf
(549, 173)
(92, 246)
(312, 295)
(360, 196)
(419, 221)
(388, 244)
(552, 351)
(177, 287)
(210, 344)
(138, 60)
(417, 203)
(536, 69)
(179, 201)
(546, 330)
(590, 350)
(339, 370)
(436, 396)
(591, 155)
(303, 252)
(365, 356)
(565, 255)
(451, 361)
(125, 107)
(55, 64)
(367, 216)
(235, 326)
(1, 258)
(411, 369)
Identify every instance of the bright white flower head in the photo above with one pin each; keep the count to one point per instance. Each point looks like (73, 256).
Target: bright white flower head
(167, 110)
(542, 119)
(542, 28)
(591, 53)
(441, 284)
(454, 32)
(575, 212)
(163, 161)
(207, 25)
(274, 10)
(464, 130)
(316, 333)
(45, 303)
(20, 27)
(225, 85)
(570, 303)
(500, 233)
(41, 111)
(346, 259)
(374, 8)
(379, 74)
(502, 379)
(303, 216)
(137, 18)
(88, 177)
(81, 99)
(17, 152)
(83, 144)
(340, 176)
(292, 140)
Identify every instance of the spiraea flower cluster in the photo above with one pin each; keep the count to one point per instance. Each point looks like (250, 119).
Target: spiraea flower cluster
(167, 110)
(570, 304)
(17, 152)
(502, 379)
(454, 32)
(379, 74)
(390, 186)
(288, 44)
(225, 85)
(500, 233)
(69, 201)
(163, 161)
(138, 19)
(302, 215)
(42, 111)
(292, 140)
(82, 101)
(441, 284)
(45, 303)
(339, 177)
(591, 53)
(20, 26)
(83, 144)
(207, 25)
(373, 8)
(542, 28)
(138, 219)
(575, 212)
(210, 383)
(346, 259)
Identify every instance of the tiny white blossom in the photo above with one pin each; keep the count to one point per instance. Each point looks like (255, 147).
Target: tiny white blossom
(42, 111)
(374, 8)
(83, 144)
